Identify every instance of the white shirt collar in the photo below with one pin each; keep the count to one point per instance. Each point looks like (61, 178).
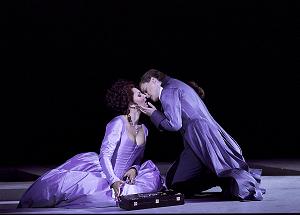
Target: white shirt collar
(160, 92)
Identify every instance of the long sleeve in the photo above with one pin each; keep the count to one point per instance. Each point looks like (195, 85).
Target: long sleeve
(111, 139)
(171, 118)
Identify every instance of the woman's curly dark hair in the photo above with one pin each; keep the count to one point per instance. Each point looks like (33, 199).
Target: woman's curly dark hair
(119, 95)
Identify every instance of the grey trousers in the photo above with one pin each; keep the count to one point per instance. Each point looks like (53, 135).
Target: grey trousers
(189, 175)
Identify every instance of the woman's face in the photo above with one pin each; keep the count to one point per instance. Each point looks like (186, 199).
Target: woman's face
(138, 97)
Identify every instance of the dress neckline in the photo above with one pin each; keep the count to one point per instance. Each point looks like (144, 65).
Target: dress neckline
(133, 141)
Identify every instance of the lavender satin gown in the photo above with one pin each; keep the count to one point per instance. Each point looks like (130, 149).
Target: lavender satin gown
(84, 180)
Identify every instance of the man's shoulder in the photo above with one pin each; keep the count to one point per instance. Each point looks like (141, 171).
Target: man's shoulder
(173, 83)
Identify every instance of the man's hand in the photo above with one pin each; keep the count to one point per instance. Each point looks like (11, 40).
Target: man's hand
(147, 110)
(130, 175)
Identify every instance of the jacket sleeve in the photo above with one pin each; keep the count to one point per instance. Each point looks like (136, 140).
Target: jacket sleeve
(109, 143)
(170, 119)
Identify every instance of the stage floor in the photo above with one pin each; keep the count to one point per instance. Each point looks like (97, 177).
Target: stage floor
(281, 178)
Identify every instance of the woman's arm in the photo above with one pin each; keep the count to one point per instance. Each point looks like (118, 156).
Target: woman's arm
(110, 141)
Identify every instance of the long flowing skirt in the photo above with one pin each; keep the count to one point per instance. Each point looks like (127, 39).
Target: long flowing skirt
(80, 183)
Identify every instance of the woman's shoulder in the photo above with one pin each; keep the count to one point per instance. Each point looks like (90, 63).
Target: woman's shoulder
(117, 120)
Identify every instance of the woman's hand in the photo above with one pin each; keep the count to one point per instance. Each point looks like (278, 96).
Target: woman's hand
(117, 188)
(130, 176)
(147, 110)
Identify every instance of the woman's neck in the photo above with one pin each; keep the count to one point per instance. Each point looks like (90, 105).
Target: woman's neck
(133, 116)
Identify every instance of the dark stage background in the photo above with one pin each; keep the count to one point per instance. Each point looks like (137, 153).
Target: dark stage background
(58, 58)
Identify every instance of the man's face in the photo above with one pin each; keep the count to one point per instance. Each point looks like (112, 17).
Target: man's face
(151, 89)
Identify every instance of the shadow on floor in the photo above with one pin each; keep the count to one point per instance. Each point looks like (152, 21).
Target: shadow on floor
(275, 171)
(15, 175)
(205, 197)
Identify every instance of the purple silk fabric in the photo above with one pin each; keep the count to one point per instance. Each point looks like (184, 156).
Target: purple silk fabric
(84, 180)
(184, 111)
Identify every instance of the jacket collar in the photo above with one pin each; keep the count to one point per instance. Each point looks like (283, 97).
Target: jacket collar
(165, 80)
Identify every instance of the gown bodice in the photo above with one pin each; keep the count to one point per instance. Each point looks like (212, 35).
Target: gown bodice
(118, 152)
